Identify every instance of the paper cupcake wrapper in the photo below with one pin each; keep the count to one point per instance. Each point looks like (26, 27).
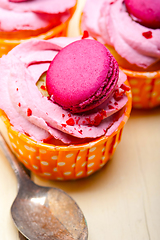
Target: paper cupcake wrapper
(7, 44)
(59, 31)
(64, 162)
(145, 87)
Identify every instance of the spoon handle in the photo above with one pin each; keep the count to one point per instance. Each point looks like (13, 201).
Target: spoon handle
(19, 171)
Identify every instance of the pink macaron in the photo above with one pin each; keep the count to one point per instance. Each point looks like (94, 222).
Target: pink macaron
(146, 12)
(82, 76)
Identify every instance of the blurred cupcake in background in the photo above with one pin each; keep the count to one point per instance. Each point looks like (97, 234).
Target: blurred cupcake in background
(22, 20)
(130, 29)
(64, 103)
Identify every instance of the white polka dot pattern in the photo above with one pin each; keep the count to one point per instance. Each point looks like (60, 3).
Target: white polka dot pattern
(65, 165)
(54, 157)
(145, 88)
(61, 163)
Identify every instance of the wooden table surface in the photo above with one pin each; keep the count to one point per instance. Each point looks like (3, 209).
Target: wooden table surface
(122, 200)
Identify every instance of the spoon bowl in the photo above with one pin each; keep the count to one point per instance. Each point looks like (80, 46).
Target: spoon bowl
(44, 213)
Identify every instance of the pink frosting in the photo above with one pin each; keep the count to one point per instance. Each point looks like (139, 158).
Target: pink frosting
(32, 15)
(32, 113)
(109, 22)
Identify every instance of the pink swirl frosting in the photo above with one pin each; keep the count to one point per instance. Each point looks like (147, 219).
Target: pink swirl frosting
(33, 15)
(34, 114)
(109, 22)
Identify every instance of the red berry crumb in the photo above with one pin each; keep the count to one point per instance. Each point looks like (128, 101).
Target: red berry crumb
(118, 94)
(125, 87)
(110, 106)
(77, 120)
(147, 35)
(29, 112)
(19, 104)
(85, 34)
(43, 87)
(97, 119)
(70, 121)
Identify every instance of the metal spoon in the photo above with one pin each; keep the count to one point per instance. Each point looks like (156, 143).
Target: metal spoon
(44, 213)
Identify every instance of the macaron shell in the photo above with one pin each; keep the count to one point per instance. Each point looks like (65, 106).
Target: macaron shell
(146, 12)
(78, 72)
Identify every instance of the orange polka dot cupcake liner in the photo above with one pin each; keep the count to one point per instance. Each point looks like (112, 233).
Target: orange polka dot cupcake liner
(145, 87)
(65, 162)
(59, 31)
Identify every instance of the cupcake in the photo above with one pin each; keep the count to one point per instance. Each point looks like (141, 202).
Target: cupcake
(64, 103)
(131, 31)
(22, 20)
